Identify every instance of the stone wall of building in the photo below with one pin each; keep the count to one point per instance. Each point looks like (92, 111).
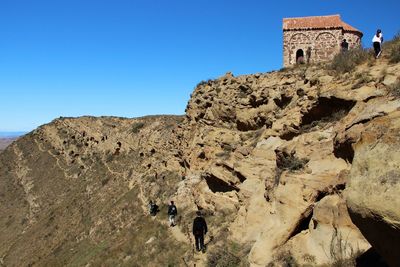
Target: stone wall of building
(317, 45)
(353, 39)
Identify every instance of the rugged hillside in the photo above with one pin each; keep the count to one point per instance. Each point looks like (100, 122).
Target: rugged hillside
(4, 142)
(71, 195)
(266, 157)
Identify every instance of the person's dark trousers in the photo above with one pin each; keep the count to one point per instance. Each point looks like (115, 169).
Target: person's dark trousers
(199, 239)
(377, 48)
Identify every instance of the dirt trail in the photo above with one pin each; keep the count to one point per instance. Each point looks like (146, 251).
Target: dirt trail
(27, 183)
(181, 235)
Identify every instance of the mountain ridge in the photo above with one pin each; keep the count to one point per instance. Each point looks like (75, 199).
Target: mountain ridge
(266, 157)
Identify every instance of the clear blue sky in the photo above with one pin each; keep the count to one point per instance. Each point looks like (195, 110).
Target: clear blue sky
(141, 57)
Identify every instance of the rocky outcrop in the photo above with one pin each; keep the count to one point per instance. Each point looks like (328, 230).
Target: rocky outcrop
(266, 157)
(374, 186)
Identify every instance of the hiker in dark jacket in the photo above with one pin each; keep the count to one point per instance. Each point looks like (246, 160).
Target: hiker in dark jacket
(153, 208)
(199, 230)
(172, 212)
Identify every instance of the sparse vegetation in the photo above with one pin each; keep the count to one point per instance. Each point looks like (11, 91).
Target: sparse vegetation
(342, 253)
(164, 185)
(346, 62)
(309, 258)
(109, 157)
(362, 78)
(242, 94)
(229, 255)
(284, 258)
(136, 127)
(290, 162)
(204, 82)
(220, 257)
(395, 89)
(393, 48)
(334, 117)
(226, 153)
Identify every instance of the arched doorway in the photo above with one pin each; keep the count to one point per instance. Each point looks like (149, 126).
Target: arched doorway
(300, 56)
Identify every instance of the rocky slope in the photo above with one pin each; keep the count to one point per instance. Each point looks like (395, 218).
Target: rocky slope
(4, 142)
(266, 157)
(373, 191)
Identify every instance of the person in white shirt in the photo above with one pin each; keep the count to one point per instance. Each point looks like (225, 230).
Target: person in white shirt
(377, 43)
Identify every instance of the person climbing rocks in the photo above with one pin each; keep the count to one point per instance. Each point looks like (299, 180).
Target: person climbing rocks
(199, 230)
(153, 208)
(377, 43)
(344, 46)
(172, 212)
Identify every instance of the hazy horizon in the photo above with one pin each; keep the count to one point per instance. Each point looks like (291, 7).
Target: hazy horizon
(11, 134)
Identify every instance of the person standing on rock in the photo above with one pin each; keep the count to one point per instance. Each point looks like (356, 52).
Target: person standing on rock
(199, 230)
(172, 212)
(377, 43)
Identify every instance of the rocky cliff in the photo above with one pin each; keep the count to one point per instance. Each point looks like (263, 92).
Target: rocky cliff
(266, 157)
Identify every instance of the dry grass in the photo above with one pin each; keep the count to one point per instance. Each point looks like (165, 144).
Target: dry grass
(127, 246)
(341, 252)
(393, 49)
(230, 254)
(287, 162)
(292, 163)
(205, 82)
(136, 127)
(284, 258)
(395, 89)
(346, 62)
(324, 122)
(362, 79)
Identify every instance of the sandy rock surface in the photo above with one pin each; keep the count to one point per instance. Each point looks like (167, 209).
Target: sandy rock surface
(372, 193)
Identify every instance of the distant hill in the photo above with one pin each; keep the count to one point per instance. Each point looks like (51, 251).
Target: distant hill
(4, 142)
(7, 138)
(11, 134)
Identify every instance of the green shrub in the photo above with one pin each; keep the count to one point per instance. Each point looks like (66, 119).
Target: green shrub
(346, 62)
(136, 127)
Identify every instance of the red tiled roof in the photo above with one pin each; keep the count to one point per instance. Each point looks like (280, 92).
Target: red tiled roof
(348, 27)
(318, 22)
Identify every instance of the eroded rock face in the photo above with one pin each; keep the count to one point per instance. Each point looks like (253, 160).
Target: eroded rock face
(374, 187)
(327, 233)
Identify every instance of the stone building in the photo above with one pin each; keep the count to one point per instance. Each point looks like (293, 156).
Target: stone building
(316, 39)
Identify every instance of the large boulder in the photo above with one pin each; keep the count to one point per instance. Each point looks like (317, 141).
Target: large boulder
(374, 187)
